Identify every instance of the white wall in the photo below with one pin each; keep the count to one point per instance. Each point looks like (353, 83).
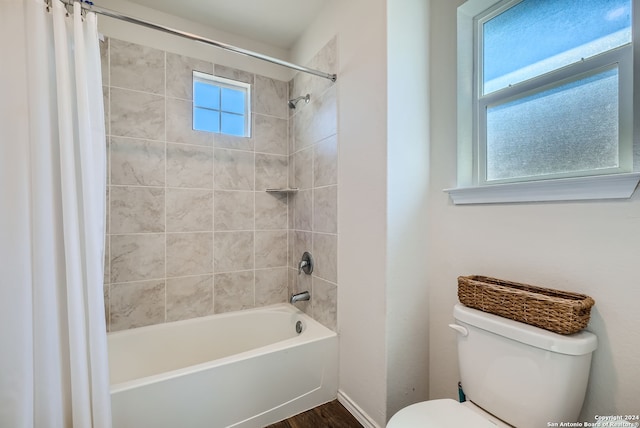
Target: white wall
(383, 175)
(362, 106)
(137, 34)
(588, 247)
(408, 172)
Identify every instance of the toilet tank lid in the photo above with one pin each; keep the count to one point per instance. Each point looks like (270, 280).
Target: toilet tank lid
(579, 343)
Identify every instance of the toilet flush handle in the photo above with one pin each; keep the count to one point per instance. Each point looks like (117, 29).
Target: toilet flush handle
(460, 329)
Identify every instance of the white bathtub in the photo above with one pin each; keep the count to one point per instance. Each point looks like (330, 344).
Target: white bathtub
(239, 369)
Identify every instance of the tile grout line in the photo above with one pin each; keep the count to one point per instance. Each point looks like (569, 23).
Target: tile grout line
(165, 186)
(109, 176)
(288, 196)
(213, 206)
(212, 308)
(254, 228)
(313, 215)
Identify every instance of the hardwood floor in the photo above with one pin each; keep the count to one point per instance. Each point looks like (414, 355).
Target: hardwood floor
(330, 415)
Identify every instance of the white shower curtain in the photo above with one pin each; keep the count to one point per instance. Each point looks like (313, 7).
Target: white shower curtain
(53, 355)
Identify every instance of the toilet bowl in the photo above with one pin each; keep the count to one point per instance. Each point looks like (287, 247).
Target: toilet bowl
(445, 413)
(513, 375)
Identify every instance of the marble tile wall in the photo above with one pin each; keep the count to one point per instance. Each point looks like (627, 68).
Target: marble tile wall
(313, 161)
(190, 230)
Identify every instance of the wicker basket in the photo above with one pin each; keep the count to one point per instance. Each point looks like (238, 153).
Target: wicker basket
(558, 311)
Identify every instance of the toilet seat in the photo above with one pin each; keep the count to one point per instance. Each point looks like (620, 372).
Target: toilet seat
(445, 413)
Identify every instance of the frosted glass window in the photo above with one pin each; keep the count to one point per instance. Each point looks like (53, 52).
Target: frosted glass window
(534, 37)
(568, 128)
(221, 105)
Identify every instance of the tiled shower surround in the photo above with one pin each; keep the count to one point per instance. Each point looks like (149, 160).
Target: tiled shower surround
(190, 229)
(313, 168)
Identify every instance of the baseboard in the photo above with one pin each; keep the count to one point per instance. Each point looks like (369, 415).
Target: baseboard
(356, 411)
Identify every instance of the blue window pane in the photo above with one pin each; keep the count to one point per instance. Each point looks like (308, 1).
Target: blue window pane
(206, 120)
(205, 95)
(233, 124)
(564, 33)
(232, 101)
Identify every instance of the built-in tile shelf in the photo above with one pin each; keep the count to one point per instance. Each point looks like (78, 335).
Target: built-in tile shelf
(288, 190)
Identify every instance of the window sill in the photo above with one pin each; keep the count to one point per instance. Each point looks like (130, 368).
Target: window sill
(614, 186)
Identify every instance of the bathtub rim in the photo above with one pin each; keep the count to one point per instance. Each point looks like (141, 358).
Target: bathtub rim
(313, 329)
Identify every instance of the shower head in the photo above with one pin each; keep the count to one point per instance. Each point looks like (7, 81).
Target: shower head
(293, 102)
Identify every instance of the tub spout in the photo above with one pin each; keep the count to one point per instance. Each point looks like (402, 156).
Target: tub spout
(299, 297)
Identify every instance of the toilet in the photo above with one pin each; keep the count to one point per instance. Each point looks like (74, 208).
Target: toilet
(513, 375)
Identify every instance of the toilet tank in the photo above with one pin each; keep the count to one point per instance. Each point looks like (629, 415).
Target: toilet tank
(522, 374)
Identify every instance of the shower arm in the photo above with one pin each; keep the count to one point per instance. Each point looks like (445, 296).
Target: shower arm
(89, 6)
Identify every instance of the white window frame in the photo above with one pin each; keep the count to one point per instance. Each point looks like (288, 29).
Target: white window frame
(598, 184)
(222, 82)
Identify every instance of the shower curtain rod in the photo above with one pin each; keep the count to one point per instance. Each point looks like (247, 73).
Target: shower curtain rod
(89, 6)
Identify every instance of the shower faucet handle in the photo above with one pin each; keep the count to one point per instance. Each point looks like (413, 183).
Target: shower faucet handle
(306, 264)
